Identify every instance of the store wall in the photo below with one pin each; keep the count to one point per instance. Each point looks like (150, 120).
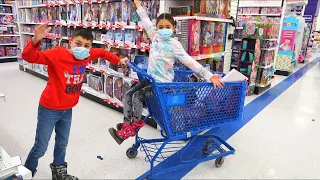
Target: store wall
(228, 52)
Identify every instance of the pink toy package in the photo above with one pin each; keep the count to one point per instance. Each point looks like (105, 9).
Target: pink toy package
(194, 40)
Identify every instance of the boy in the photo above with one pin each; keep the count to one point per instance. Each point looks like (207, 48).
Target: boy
(66, 68)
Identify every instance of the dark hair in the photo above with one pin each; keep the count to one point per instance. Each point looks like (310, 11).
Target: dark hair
(84, 33)
(168, 17)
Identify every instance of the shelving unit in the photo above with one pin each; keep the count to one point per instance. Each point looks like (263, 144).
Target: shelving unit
(95, 69)
(8, 33)
(255, 45)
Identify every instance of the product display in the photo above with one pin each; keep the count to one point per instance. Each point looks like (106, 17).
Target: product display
(9, 33)
(255, 44)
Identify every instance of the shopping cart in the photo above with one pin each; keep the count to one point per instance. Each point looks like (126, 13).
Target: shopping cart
(184, 110)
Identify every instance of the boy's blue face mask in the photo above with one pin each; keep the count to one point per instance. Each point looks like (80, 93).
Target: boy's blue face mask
(80, 53)
(165, 34)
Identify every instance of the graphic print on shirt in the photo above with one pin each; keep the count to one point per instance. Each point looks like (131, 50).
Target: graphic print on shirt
(74, 81)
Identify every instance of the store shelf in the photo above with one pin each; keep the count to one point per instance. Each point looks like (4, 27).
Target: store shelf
(32, 6)
(26, 33)
(263, 86)
(9, 5)
(7, 25)
(237, 39)
(266, 67)
(239, 27)
(269, 49)
(6, 14)
(259, 14)
(245, 62)
(200, 18)
(249, 50)
(9, 44)
(9, 57)
(9, 35)
(207, 56)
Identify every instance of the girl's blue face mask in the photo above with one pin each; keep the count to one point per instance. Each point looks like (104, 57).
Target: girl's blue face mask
(164, 34)
(80, 53)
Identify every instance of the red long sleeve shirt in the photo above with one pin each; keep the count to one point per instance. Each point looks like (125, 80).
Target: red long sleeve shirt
(65, 72)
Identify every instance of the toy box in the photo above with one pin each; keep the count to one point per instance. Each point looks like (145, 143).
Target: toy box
(194, 32)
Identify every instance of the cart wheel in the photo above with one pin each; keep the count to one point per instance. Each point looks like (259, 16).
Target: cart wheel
(206, 148)
(219, 162)
(131, 153)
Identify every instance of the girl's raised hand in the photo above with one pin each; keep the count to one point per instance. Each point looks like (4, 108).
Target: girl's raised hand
(138, 3)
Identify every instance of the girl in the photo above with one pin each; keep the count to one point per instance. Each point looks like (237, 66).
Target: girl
(163, 53)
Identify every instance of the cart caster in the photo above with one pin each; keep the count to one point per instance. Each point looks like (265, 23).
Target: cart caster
(206, 148)
(131, 153)
(219, 162)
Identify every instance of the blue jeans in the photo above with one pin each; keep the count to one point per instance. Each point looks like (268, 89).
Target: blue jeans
(47, 120)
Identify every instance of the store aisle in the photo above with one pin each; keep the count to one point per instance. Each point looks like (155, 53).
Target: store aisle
(278, 143)
(89, 133)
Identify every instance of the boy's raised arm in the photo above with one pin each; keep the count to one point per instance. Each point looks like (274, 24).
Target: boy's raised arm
(31, 52)
(96, 53)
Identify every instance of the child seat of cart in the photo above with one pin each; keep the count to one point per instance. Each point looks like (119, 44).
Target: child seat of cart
(183, 109)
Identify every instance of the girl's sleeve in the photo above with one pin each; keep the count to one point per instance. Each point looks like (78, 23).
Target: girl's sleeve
(146, 22)
(191, 63)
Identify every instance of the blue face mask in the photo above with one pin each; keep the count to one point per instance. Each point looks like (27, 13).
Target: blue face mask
(165, 34)
(80, 53)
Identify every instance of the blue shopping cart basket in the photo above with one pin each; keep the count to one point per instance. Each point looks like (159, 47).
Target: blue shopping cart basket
(183, 110)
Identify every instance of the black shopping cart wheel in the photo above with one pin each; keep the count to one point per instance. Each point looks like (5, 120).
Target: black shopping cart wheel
(131, 153)
(206, 148)
(219, 162)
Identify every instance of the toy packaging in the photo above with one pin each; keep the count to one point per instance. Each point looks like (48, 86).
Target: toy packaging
(110, 36)
(194, 29)
(111, 14)
(11, 51)
(144, 40)
(108, 85)
(134, 16)
(117, 88)
(74, 13)
(103, 64)
(87, 13)
(95, 13)
(63, 14)
(118, 33)
(43, 15)
(2, 51)
(118, 12)
(35, 15)
(104, 13)
(130, 37)
(207, 37)
(95, 82)
(126, 12)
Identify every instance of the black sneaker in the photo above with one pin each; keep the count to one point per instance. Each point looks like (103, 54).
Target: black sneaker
(113, 133)
(119, 126)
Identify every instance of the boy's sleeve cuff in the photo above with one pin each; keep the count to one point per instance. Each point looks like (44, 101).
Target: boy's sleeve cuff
(37, 46)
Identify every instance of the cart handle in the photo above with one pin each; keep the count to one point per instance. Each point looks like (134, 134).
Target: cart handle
(140, 71)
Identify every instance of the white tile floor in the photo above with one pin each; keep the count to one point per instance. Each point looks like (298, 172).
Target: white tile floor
(280, 142)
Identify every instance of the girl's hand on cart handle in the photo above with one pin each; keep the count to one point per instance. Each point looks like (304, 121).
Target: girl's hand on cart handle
(216, 80)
